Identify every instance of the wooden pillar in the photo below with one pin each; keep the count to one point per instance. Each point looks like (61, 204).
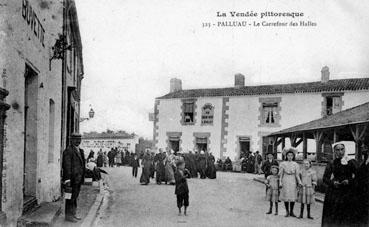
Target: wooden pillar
(275, 144)
(318, 136)
(304, 145)
(283, 143)
(358, 135)
(335, 136)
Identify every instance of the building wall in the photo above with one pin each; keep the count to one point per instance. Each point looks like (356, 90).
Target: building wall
(23, 47)
(242, 118)
(106, 144)
(169, 121)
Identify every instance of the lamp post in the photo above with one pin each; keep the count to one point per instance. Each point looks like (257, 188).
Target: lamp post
(91, 114)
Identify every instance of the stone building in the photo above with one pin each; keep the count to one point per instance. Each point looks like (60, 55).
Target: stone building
(41, 66)
(106, 140)
(228, 121)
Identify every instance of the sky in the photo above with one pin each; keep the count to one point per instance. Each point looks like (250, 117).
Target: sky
(131, 49)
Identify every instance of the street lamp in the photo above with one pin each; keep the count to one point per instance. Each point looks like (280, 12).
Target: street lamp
(91, 114)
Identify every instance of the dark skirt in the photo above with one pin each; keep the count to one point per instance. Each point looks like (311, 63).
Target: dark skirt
(145, 176)
(211, 172)
(160, 172)
(337, 209)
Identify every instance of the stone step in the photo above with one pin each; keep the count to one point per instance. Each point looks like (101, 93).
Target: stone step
(29, 203)
(44, 215)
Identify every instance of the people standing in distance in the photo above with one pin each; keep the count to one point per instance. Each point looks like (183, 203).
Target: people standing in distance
(135, 165)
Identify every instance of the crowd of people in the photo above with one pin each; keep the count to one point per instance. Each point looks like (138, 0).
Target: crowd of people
(162, 165)
(347, 181)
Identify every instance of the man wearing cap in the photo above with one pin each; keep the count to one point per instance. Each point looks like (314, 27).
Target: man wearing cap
(266, 167)
(73, 175)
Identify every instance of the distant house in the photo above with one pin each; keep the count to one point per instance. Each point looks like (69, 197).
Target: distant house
(229, 121)
(106, 140)
(143, 144)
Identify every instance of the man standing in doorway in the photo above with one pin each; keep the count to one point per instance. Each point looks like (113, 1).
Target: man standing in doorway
(73, 175)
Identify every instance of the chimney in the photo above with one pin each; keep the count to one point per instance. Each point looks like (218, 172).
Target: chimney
(325, 74)
(239, 80)
(175, 85)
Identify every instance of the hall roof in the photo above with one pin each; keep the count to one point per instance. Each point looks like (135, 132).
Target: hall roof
(355, 115)
(330, 86)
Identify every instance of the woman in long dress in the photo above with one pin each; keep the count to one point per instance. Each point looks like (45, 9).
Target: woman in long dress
(289, 180)
(146, 168)
(169, 171)
(210, 169)
(339, 176)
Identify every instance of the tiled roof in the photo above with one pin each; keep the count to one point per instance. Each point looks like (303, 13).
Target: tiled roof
(330, 86)
(355, 115)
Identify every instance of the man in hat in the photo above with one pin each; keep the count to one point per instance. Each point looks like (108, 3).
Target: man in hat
(73, 175)
(266, 167)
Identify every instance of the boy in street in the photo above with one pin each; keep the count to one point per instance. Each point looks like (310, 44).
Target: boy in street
(181, 186)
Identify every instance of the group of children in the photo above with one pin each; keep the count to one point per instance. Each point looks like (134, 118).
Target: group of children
(305, 190)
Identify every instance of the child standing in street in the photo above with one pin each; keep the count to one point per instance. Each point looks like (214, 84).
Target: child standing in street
(181, 190)
(272, 183)
(307, 190)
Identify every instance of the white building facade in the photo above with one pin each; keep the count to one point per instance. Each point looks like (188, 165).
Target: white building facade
(227, 121)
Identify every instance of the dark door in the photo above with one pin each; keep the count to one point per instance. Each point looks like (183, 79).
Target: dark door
(174, 145)
(30, 134)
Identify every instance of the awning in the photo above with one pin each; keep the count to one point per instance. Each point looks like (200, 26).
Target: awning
(356, 115)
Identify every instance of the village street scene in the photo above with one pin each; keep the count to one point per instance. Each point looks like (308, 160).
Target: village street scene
(171, 113)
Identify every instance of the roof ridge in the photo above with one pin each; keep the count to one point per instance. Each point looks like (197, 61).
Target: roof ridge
(315, 86)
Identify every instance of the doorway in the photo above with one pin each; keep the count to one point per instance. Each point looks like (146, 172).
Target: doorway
(244, 144)
(174, 145)
(70, 113)
(202, 144)
(30, 136)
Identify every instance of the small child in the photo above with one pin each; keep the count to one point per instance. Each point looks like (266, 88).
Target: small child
(272, 183)
(181, 186)
(306, 192)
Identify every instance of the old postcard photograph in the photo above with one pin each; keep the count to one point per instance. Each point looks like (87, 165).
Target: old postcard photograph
(200, 113)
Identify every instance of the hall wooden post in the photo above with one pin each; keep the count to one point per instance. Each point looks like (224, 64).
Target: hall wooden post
(358, 135)
(275, 145)
(304, 145)
(318, 146)
(283, 143)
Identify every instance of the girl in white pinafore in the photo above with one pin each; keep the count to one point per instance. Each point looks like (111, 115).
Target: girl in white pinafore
(289, 180)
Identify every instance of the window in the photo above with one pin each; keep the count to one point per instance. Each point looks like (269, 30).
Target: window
(332, 104)
(270, 112)
(51, 130)
(207, 114)
(188, 112)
